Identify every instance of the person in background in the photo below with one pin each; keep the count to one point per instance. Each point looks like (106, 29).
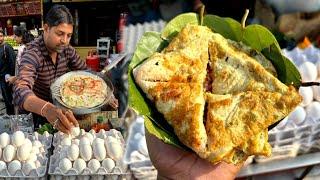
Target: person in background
(46, 58)
(7, 61)
(22, 37)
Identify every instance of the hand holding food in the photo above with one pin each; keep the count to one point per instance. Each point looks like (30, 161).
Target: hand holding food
(218, 95)
(180, 164)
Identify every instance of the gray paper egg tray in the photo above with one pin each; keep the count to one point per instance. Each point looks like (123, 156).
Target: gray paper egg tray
(39, 173)
(293, 141)
(55, 172)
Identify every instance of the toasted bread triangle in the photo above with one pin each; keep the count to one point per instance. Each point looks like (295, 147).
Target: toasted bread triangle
(244, 100)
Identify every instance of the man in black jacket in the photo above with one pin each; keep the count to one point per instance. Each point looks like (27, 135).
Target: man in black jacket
(7, 64)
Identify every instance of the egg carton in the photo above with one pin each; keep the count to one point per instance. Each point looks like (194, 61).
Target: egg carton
(40, 172)
(120, 171)
(136, 154)
(293, 141)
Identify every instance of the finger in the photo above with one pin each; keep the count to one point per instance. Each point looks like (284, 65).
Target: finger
(114, 105)
(71, 118)
(64, 120)
(61, 127)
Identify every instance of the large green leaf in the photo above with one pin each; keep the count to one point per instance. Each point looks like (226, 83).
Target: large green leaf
(176, 24)
(227, 27)
(149, 43)
(166, 136)
(259, 38)
(255, 36)
(286, 70)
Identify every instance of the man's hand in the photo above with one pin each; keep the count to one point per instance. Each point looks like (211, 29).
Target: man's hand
(174, 163)
(11, 79)
(113, 102)
(63, 120)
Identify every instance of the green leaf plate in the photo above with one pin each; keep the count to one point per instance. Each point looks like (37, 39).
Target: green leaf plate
(257, 37)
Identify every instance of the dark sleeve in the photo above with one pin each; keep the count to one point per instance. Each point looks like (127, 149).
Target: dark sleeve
(23, 86)
(11, 59)
(75, 62)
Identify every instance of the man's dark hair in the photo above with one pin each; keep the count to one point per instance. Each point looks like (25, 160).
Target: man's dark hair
(1, 31)
(58, 14)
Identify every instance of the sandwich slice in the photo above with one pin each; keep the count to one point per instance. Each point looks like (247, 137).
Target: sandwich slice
(218, 99)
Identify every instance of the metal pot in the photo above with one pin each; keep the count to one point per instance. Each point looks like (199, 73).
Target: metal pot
(56, 97)
(55, 87)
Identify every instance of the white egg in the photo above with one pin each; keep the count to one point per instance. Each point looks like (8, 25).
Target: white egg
(282, 123)
(298, 115)
(79, 165)
(9, 153)
(28, 167)
(94, 165)
(35, 150)
(307, 95)
(28, 142)
(89, 136)
(99, 151)
(97, 141)
(114, 148)
(85, 152)
(75, 131)
(313, 110)
(13, 167)
(109, 164)
(4, 140)
(102, 134)
(66, 141)
(23, 152)
(32, 157)
(0, 153)
(142, 146)
(76, 142)
(17, 138)
(37, 143)
(308, 71)
(3, 166)
(93, 133)
(73, 152)
(84, 141)
(65, 164)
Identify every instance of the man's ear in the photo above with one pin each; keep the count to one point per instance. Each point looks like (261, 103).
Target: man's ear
(46, 27)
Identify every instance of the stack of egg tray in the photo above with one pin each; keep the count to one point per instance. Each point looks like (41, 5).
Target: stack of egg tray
(41, 172)
(293, 141)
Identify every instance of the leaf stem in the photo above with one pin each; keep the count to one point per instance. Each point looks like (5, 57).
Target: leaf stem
(305, 84)
(244, 19)
(201, 14)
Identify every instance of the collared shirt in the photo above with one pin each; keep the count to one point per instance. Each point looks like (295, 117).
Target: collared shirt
(37, 70)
